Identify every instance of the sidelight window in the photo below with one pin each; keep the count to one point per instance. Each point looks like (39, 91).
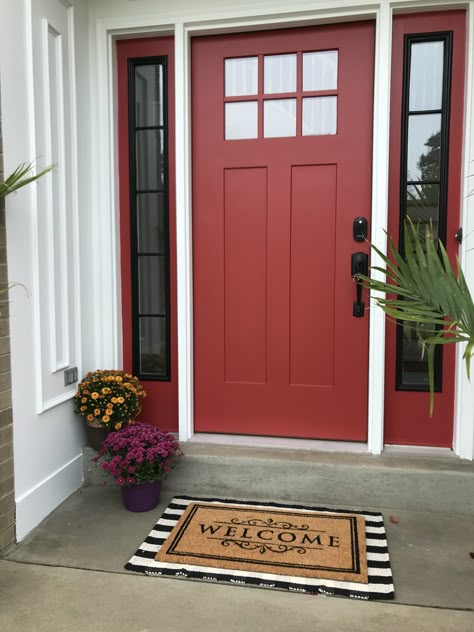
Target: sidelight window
(149, 218)
(424, 164)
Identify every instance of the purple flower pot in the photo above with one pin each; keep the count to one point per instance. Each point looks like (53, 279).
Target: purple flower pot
(144, 497)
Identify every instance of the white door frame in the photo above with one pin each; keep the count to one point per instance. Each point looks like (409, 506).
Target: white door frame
(104, 145)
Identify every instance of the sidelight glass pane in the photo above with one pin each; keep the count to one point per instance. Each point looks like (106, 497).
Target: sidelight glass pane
(151, 223)
(319, 116)
(423, 205)
(279, 118)
(279, 73)
(413, 362)
(153, 346)
(424, 142)
(241, 120)
(241, 76)
(149, 95)
(426, 76)
(150, 160)
(320, 70)
(152, 287)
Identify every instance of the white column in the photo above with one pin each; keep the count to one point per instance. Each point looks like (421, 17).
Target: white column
(463, 444)
(383, 49)
(184, 235)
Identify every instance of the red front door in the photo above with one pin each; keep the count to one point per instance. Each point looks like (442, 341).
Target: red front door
(282, 140)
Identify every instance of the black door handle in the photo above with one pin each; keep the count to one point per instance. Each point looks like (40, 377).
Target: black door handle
(359, 265)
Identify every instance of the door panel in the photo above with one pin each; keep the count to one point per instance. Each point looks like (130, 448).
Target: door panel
(148, 222)
(407, 418)
(278, 178)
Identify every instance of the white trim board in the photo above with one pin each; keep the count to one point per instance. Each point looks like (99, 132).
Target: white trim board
(104, 185)
(33, 506)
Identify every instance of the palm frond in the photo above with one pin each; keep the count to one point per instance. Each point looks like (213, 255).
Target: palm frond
(423, 289)
(21, 177)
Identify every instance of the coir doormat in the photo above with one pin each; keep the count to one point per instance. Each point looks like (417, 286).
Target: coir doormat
(304, 549)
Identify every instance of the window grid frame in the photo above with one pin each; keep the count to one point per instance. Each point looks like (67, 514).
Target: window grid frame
(409, 40)
(260, 97)
(134, 193)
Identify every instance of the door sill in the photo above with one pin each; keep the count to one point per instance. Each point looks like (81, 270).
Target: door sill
(279, 442)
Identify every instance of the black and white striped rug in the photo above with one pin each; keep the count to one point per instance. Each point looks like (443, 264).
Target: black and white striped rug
(379, 586)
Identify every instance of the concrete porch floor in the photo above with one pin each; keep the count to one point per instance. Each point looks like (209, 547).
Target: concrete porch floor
(68, 573)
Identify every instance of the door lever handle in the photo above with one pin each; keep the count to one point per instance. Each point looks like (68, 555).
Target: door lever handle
(359, 265)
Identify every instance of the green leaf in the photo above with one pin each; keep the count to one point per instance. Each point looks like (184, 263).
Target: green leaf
(422, 289)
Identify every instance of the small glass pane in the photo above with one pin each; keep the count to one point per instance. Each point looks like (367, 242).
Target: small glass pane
(319, 116)
(150, 160)
(241, 76)
(426, 76)
(149, 95)
(151, 225)
(279, 118)
(152, 284)
(320, 70)
(423, 206)
(414, 363)
(241, 120)
(153, 346)
(279, 74)
(424, 142)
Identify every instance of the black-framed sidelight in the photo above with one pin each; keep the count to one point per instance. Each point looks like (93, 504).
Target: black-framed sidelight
(424, 174)
(149, 217)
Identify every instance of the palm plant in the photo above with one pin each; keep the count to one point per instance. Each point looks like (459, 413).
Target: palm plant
(20, 178)
(423, 290)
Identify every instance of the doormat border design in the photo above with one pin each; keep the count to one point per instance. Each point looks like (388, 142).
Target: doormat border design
(380, 585)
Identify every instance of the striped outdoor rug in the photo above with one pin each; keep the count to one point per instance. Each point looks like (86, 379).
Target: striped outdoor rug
(269, 545)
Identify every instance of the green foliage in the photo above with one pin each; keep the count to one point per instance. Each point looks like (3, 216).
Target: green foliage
(21, 177)
(429, 295)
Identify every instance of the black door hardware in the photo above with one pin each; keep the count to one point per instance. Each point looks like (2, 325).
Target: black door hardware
(359, 265)
(359, 229)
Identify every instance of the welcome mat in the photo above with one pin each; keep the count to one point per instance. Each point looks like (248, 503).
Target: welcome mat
(304, 549)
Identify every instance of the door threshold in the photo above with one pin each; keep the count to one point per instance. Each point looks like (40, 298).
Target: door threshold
(279, 442)
(419, 450)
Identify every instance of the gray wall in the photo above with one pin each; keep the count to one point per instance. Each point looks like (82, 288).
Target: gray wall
(7, 495)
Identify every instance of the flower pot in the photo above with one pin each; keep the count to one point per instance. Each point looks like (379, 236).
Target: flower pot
(95, 436)
(144, 497)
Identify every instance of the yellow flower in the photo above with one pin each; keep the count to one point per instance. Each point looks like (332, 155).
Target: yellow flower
(118, 426)
(83, 408)
(97, 412)
(90, 417)
(83, 400)
(95, 395)
(119, 378)
(120, 400)
(109, 411)
(106, 390)
(106, 419)
(114, 400)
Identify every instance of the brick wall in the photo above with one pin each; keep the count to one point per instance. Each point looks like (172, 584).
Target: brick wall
(7, 496)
